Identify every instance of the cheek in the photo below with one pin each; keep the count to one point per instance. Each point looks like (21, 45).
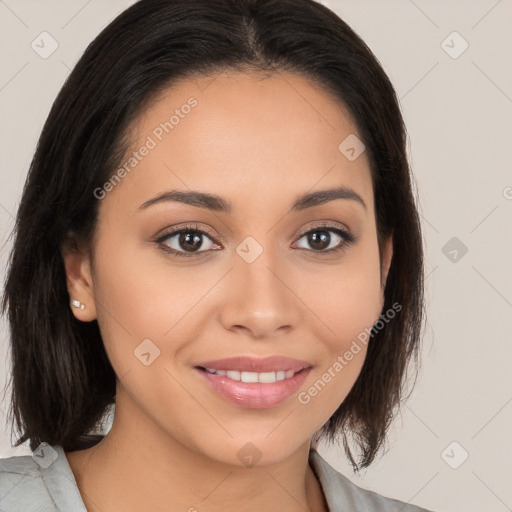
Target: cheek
(351, 297)
(142, 296)
(349, 303)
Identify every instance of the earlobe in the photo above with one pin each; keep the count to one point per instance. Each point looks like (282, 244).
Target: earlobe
(79, 282)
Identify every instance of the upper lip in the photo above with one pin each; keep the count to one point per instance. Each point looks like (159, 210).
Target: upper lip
(252, 364)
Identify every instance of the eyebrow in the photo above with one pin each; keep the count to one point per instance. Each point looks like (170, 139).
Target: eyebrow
(218, 204)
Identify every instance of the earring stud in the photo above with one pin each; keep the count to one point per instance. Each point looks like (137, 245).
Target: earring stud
(77, 304)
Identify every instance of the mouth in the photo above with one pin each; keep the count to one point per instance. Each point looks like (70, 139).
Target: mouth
(233, 381)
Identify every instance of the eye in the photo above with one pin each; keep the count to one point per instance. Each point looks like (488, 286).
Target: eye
(321, 240)
(185, 241)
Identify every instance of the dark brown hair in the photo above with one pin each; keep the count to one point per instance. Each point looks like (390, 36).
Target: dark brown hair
(61, 376)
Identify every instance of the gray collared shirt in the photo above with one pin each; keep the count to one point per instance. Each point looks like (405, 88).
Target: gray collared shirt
(47, 484)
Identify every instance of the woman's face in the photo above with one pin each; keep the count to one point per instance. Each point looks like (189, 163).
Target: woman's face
(261, 282)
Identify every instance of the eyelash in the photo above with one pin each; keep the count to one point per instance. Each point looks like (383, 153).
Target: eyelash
(348, 239)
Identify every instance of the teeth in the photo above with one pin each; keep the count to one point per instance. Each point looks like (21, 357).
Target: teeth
(251, 377)
(232, 374)
(267, 377)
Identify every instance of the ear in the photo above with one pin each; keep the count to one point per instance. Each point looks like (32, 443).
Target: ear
(79, 280)
(387, 256)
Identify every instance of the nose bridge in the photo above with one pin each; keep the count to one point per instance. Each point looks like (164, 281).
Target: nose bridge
(260, 299)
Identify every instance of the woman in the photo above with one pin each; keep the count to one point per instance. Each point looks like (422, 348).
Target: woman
(217, 234)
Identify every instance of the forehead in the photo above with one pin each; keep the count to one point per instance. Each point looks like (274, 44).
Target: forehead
(245, 136)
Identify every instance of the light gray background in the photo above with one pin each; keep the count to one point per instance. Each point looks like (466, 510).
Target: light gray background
(458, 114)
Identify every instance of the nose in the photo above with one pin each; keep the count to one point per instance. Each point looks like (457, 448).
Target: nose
(260, 298)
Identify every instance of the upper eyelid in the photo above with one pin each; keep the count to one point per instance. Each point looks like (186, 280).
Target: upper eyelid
(176, 231)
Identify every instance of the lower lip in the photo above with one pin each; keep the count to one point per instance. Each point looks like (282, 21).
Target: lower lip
(255, 395)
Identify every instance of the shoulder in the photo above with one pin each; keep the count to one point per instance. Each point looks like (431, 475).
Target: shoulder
(342, 494)
(44, 484)
(22, 485)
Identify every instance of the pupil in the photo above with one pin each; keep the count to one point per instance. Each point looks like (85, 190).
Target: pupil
(319, 241)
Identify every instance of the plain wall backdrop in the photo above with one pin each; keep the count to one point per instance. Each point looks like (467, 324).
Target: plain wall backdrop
(451, 449)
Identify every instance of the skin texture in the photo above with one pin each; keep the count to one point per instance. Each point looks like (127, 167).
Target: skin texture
(261, 142)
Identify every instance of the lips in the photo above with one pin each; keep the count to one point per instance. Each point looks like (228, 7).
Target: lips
(254, 383)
